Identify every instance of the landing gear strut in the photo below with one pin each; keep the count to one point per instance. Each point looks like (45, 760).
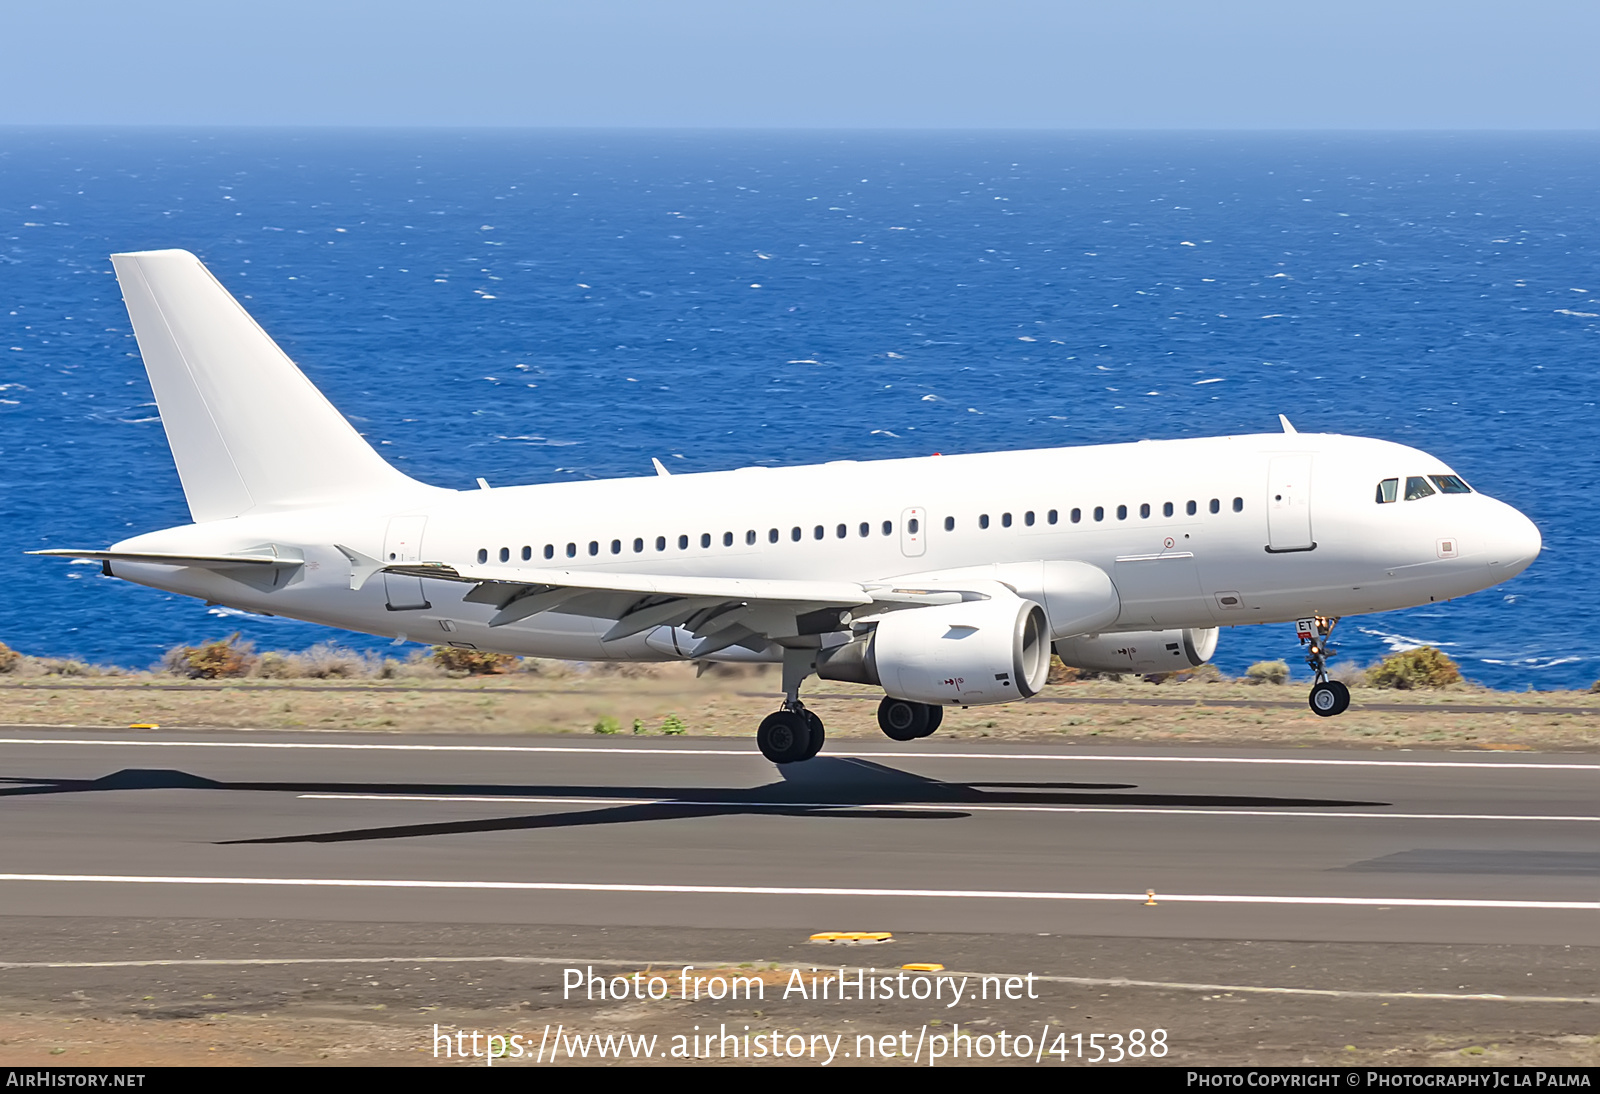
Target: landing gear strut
(1328, 697)
(903, 720)
(792, 733)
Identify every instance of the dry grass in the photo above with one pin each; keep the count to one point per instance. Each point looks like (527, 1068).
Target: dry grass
(574, 700)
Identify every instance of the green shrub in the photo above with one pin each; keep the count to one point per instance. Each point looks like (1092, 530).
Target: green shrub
(1268, 672)
(1423, 667)
(471, 662)
(225, 657)
(673, 726)
(638, 726)
(607, 725)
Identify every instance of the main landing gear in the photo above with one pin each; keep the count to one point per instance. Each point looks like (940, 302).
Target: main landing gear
(903, 720)
(789, 735)
(792, 733)
(1328, 697)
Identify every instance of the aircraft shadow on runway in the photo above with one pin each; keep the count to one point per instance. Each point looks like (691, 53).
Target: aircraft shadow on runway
(823, 787)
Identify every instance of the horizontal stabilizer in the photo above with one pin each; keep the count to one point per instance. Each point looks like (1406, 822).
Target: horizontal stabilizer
(208, 562)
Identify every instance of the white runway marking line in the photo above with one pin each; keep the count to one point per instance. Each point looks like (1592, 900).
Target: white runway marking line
(787, 890)
(1080, 981)
(936, 807)
(751, 753)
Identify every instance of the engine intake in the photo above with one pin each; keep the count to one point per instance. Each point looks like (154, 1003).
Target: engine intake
(975, 652)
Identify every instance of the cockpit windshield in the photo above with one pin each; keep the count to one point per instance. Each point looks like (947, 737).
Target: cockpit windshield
(1450, 484)
(1417, 487)
(1388, 490)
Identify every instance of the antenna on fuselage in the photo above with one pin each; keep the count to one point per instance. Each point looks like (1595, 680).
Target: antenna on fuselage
(661, 468)
(1287, 428)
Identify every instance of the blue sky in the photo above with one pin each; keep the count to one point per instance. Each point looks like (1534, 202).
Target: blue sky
(1115, 64)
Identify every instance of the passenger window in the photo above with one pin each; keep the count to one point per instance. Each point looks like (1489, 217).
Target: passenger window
(1388, 491)
(818, 532)
(841, 531)
(949, 524)
(1216, 506)
(750, 537)
(727, 539)
(1166, 510)
(549, 550)
(1122, 512)
(683, 543)
(1238, 505)
(1190, 508)
(594, 546)
(1449, 484)
(772, 535)
(1144, 511)
(1077, 515)
(705, 539)
(616, 546)
(661, 543)
(913, 525)
(794, 533)
(638, 546)
(483, 554)
(1099, 512)
(1417, 487)
(888, 527)
(527, 553)
(505, 554)
(1005, 520)
(865, 529)
(983, 520)
(1027, 518)
(572, 550)
(1052, 516)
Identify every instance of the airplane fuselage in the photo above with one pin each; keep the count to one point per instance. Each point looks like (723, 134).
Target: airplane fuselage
(1193, 533)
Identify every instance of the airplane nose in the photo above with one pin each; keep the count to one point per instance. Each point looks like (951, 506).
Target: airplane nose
(1517, 543)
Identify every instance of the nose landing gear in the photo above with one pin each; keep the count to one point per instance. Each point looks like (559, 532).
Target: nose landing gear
(1328, 697)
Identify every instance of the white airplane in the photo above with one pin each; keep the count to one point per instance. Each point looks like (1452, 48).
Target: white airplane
(943, 579)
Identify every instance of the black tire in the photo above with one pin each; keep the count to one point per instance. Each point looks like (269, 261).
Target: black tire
(935, 716)
(902, 720)
(818, 734)
(1328, 699)
(784, 737)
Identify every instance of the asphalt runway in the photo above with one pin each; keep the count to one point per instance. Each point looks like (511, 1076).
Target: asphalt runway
(1297, 845)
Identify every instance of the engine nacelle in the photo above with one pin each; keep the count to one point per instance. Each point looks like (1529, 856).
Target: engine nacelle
(975, 652)
(1140, 651)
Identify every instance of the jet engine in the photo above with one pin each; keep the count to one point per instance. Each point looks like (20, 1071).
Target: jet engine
(974, 652)
(1139, 651)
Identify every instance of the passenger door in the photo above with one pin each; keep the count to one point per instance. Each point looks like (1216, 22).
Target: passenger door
(1289, 504)
(402, 542)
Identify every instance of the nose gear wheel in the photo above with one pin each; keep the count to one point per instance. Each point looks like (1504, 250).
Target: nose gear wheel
(1328, 697)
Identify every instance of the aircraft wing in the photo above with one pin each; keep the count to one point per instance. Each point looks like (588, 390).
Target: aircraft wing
(719, 611)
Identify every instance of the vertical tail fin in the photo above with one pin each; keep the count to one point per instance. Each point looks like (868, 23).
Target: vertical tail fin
(248, 431)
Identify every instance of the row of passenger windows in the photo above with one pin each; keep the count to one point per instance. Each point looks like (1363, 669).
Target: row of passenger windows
(1417, 487)
(1099, 512)
(863, 530)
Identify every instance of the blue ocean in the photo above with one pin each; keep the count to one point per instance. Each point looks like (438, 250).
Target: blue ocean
(534, 306)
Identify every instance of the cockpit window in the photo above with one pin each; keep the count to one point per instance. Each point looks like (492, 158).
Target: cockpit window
(1417, 487)
(1449, 484)
(1388, 490)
